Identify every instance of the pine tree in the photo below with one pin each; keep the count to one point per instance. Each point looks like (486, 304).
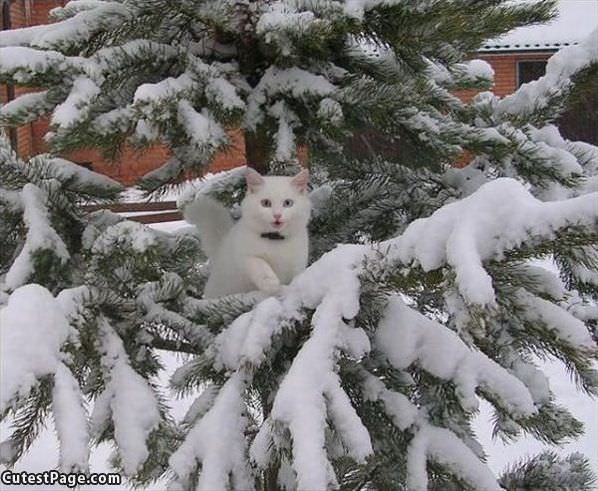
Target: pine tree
(365, 372)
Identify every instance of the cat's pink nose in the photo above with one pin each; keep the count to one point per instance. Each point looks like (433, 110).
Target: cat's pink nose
(277, 216)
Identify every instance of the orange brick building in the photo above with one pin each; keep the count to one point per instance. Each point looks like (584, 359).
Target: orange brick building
(516, 58)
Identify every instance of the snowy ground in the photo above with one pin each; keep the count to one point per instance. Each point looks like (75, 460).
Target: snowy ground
(44, 454)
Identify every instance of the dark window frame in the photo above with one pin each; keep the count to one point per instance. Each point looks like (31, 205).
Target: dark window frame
(519, 80)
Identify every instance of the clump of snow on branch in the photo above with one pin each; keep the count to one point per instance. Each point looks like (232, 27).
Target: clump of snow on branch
(444, 447)
(128, 399)
(70, 421)
(296, 82)
(33, 104)
(405, 336)
(24, 64)
(554, 148)
(217, 441)
(285, 139)
(32, 314)
(202, 128)
(475, 70)
(84, 24)
(79, 178)
(75, 108)
(500, 216)
(40, 236)
(566, 326)
(139, 236)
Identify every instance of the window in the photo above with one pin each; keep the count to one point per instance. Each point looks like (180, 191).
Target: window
(530, 70)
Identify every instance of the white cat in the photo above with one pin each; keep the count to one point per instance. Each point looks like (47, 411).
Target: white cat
(267, 247)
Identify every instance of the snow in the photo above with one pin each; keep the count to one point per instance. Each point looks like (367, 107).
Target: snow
(140, 236)
(574, 22)
(477, 69)
(73, 7)
(81, 27)
(75, 29)
(23, 362)
(285, 138)
(73, 175)
(281, 16)
(118, 118)
(396, 405)
(202, 404)
(249, 336)
(218, 442)
(169, 87)
(298, 83)
(101, 414)
(582, 406)
(444, 447)
(310, 382)
(203, 130)
(26, 103)
(133, 405)
(331, 111)
(25, 64)
(552, 147)
(75, 108)
(224, 94)
(358, 8)
(405, 336)
(565, 326)
(501, 215)
(282, 19)
(145, 130)
(353, 433)
(201, 76)
(40, 236)
(70, 421)
(534, 380)
(22, 37)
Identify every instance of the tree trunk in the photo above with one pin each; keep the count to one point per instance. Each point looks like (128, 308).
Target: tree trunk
(258, 150)
(271, 478)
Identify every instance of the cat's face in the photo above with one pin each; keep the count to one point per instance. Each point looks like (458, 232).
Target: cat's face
(276, 203)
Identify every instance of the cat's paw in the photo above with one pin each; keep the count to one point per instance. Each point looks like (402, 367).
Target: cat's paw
(269, 284)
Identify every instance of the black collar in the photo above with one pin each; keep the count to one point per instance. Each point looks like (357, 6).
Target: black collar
(272, 236)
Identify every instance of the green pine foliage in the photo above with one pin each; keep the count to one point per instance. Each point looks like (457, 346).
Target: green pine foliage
(365, 372)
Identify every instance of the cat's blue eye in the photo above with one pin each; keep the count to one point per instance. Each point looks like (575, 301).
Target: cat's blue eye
(288, 203)
(266, 203)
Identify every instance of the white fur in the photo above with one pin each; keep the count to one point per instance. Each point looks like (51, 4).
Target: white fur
(240, 259)
(213, 220)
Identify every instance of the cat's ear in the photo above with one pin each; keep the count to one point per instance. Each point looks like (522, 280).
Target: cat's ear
(300, 181)
(254, 179)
